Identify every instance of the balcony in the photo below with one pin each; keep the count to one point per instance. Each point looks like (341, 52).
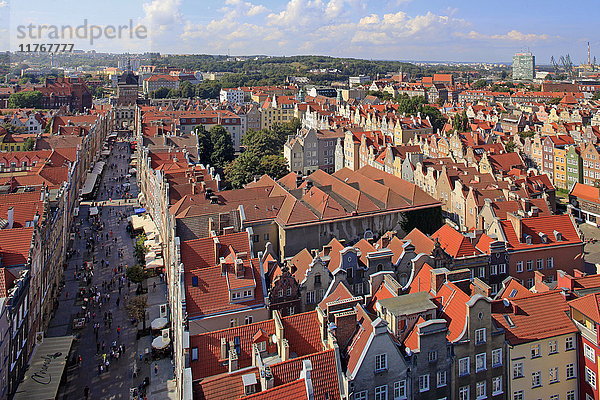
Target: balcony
(588, 333)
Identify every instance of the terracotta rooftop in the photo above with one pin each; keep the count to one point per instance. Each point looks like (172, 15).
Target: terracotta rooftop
(455, 243)
(14, 246)
(588, 305)
(293, 390)
(301, 330)
(534, 317)
(586, 192)
(533, 226)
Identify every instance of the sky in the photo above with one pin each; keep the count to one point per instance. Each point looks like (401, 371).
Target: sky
(414, 30)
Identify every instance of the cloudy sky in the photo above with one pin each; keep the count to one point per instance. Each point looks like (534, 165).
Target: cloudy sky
(427, 30)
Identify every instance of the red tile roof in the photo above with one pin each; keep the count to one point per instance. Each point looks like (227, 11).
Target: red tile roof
(586, 192)
(535, 317)
(513, 289)
(224, 386)
(200, 253)
(455, 243)
(422, 243)
(588, 305)
(324, 373)
(212, 294)
(293, 390)
(14, 246)
(360, 339)
(301, 331)
(533, 226)
(412, 340)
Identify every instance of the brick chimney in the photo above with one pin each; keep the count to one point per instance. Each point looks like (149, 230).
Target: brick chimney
(345, 327)
(11, 217)
(564, 280)
(233, 360)
(526, 204)
(239, 268)
(517, 224)
(438, 277)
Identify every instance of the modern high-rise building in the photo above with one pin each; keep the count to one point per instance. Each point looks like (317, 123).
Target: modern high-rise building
(523, 66)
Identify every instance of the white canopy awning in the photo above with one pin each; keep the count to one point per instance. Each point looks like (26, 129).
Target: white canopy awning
(160, 342)
(159, 323)
(93, 211)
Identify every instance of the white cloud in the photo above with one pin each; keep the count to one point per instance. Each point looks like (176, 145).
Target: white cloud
(513, 35)
(257, 10)
(161, 15)
(3, 4)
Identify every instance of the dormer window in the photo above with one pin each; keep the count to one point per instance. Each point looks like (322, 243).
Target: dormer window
(527, 239)
(194, 281)
(236, 295)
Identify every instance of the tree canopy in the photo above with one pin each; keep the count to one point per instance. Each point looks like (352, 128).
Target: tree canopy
(30, 99)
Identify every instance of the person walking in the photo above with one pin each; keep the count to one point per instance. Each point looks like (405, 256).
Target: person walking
(86, 392)
(155, 369)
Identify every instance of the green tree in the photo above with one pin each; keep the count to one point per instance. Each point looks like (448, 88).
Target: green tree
(31, 99)
(554, 101)
(174, 93)
(222, 146)
(460, 122)
(136, 273)
(205, 145)
(427, 220)
(136, 308)
(29, 144)
(596, 96)
(435, 117)
(208, 90)
(187, 89)
(161, 93)
(273, 165)
(510, 146)
(479, 84)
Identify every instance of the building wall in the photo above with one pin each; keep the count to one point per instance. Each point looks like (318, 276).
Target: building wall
(566, 258)
(522, 353)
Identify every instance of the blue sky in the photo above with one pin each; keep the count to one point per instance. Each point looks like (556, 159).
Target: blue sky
(381, 29)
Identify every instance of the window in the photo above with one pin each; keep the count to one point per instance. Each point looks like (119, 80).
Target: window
(464, 366)
(194, 281)
(442, 379)
(318, 279)
(255, 238)
(280, 293)
(381, 392)
(518, 395)
(194, 353)
(480, 336)
(550, 262)
(590, 354)
(535, 350)
(554, 397)
(424, 383)
(553, 374)
(400, 390)
(266, 236)
(497, 357)
(248, 320)
(480, 362)
(570, 371)
(517, 370)
(493, 269)
(480, 390)
(529, 265)
(552, 347)
(360, 395)
(501, 268)
(590, 377)
(540, 263)
(481, 272)
(569, 343)
(291, 310)
(232, 322)
(496, 385)
(519, 266)
(536, 379)
(571, 395)
(464, 393)
(432, 356)
(380, 362)
(236, 295)
(310, 297)
(288, 291)
(262, 346)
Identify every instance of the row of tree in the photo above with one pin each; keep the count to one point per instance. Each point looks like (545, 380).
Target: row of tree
(26, 99)
(263, 154)
(203, 90)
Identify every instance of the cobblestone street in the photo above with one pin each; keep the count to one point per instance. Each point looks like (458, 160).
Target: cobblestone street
(116, 381)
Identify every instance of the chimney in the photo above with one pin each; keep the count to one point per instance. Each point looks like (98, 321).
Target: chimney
(194, 188)
(535, 212)
(239, 268)
(11, 217)
(228, 230)
(233, 360)
(517, 224)
(564, 280)
(224, 351)
(526, 204)
(266, 379)
(438, 277)
(306, 375)
(345, 327)
(217, 249)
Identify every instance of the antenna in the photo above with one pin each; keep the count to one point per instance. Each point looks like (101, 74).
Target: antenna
(589, 55)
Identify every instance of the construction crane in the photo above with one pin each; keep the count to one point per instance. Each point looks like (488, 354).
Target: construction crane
(567, 64)
(554, 65)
